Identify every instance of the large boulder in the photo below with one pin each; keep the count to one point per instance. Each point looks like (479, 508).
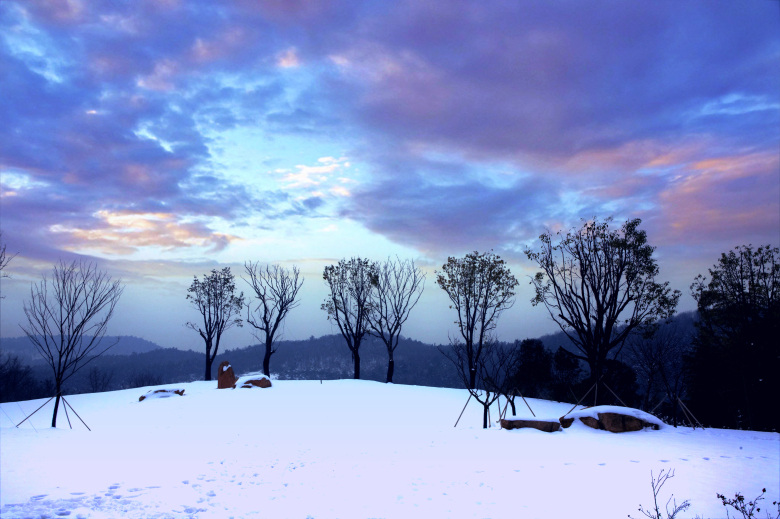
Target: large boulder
(616, 423)
(260, 382)
(540, 425)
(225, 376)
(591, 422)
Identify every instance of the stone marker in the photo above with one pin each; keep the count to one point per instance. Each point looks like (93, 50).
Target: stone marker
(225, 376)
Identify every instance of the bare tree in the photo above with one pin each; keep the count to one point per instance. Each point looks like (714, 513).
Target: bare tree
(480, 287)
(99, 380)
(4, 261)
(276, 289)
(675, 366)
(349, 302)
(645, 356)
(599, 286)
(660, 359)
(492, 371)
(399, 285)
(218, 305)
(67, 317)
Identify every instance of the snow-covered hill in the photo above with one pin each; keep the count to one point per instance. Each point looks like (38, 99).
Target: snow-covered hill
(353, 449)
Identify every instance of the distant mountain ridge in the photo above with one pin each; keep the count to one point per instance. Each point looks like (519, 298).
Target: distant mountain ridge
(127, 345)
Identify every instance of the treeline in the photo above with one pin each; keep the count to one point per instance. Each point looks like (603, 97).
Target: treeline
(620, 341)
(311, 359)
(543, 369)
(546, 372)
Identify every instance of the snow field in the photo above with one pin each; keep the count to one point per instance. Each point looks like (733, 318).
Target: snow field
(353, 449)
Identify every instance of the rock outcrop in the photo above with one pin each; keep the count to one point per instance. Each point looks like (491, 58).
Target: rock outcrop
(613, 419)
(225, 376)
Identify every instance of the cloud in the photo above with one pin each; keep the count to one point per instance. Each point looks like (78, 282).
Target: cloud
(610, 107)
(288, 59)
(123, 233)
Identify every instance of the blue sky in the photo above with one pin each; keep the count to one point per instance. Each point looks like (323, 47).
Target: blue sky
(163, 138)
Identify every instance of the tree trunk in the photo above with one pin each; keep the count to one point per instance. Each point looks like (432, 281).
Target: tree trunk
(484, 416)
(56, 407)
(209, 362)
(472, 377)
(356, 357)
(512, 403)
(267, 359)
(595, 375)
(390, 367)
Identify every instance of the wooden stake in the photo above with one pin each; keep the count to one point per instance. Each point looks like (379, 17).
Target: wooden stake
(74, 412)
(28, 416)
(526, 403)
(66, 413)
(679, 402)
(503, 413)
(686, 407)
(461, 413)
(581, 399)
(610, 390)
(659, 403)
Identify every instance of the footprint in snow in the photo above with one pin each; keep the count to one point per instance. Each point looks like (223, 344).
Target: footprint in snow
(114, 486)
(186, 481)
(77, 493)
(602, 464)
(706, 459)
(211, 493)
(684, 459)
(63, 513)
(38, 498)
(664, 461)
(633, 461)
(725, 456)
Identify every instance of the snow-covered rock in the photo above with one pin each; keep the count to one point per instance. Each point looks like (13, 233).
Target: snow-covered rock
(612, 418)
(161, 393)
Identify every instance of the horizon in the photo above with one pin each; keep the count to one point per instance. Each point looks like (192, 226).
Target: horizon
(161, 139)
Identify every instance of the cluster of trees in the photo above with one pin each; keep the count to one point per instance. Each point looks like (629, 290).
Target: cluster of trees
(735, 351)
(599, 285)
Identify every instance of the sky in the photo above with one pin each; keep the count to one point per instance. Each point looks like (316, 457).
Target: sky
(163, 138)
